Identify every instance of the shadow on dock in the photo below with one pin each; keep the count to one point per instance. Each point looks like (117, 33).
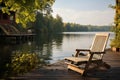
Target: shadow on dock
(58, 71)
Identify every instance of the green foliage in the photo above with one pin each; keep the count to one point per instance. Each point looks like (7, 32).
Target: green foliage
(48, 24)
(23, 62)
(26, 9)
(73, 27)
(58, 24)
(116, 41)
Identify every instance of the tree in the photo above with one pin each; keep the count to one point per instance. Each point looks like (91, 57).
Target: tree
(26, 9)
(48, 24)
(116, 41)
(41, 23)
(58, 24)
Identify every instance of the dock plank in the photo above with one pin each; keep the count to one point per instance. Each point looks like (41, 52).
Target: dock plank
(58, 71)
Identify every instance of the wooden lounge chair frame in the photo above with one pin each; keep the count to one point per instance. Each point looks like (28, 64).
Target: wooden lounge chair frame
(97, 49)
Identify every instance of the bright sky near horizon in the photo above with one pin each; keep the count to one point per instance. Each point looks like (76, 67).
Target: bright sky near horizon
(85, 12)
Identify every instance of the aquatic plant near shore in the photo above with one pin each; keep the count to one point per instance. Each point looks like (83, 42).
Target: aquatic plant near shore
(23, 62)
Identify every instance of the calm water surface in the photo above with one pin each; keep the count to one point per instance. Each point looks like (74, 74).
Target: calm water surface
(74, 40)
(50, 48)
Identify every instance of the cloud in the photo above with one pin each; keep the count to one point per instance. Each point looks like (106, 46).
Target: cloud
(95, 17)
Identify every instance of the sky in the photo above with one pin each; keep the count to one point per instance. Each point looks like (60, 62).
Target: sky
(85, 12)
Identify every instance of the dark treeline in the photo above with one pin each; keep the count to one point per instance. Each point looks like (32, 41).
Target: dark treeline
(73, 27)
(49, 24)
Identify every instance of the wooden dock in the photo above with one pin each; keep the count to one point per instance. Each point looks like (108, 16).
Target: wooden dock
(17, 38)
(58, 71)
(10, 33)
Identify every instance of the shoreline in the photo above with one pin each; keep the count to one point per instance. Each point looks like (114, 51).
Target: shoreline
(58, 71)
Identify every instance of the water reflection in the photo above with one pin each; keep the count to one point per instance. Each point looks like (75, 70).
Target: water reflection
(13, 58)
(44, 49)
(5, 56)
(46, 43)
(19, 58)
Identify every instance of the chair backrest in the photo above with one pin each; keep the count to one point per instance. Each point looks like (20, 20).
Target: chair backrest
(99, 42)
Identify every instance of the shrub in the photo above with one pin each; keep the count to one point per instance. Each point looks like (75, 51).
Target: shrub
(23, 62)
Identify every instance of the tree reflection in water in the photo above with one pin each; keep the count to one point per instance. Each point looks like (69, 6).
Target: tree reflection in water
(19, 58)
(14, 62)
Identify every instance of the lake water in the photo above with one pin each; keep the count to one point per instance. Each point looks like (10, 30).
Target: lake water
(72, 41)
(50, 48)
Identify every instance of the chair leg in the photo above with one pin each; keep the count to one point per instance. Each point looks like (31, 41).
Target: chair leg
(103, 64)
(106, 65)
(84, 74)
(75, 68)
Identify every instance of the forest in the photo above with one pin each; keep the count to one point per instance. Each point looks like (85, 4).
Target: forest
(49, 24)
(38, 18)
(77, 27)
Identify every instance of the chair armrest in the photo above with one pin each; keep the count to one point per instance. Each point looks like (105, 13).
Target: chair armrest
(97, 52)
(78, 51)
(82, 50)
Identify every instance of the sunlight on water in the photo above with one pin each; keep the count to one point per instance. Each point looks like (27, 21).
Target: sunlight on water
(75, 40)
(48, 48)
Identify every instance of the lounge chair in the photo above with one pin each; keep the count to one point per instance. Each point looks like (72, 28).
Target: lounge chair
(84, 63)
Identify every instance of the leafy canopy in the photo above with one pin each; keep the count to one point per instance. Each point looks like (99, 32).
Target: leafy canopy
(26, 9)
(116, 41)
